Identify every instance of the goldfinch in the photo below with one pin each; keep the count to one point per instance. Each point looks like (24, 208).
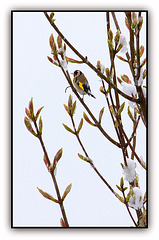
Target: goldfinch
(81, 83)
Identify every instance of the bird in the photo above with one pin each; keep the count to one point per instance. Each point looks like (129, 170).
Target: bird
(81, 83)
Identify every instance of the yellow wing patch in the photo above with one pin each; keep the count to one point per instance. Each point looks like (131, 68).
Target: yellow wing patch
(81, 85)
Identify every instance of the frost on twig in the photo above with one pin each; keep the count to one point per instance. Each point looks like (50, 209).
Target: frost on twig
(123, 42)
(136, 200)
(129, 170)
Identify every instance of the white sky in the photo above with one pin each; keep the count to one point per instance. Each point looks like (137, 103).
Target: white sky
(6, 231)
(90, 202)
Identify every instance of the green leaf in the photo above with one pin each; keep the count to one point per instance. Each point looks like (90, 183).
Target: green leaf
(121, 109)
(48, 196)
(101, 114)
(29, 127)
(68, 129)
(67, 190)
(87, 119)
(80, 125)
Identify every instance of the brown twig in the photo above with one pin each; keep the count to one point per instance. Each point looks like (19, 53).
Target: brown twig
(85, 60)
(53, 176)
(127, 206)
(98, 125)
(90, 161)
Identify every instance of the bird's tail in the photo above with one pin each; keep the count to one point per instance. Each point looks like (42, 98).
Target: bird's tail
(92, 95)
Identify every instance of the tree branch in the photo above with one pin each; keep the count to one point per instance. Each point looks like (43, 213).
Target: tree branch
(85, 60)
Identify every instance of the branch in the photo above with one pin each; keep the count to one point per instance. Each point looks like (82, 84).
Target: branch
(88, 63)
(89, 160)
(98, 125)
(53, 176)
(126, 204)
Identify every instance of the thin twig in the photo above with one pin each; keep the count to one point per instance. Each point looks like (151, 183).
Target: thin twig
(53, 177)
(126, 204)
(85, 60)
(91, 162)
(98, 125)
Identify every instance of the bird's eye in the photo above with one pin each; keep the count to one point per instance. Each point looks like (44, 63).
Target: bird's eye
(75, 72)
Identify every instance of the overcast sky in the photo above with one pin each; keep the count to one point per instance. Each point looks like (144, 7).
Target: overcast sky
(90, 202)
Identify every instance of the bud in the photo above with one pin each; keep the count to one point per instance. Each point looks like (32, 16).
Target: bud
(130, 114)
(110, 43)
(125, 78)
(99, 66)
(102, 89)
(63, 224)
(51, 41)
(87, 119)
(141, 50)
(143, 63)
(121, 182)
(121, 109)
(80, 125)
(52, 15)
(83, 158)
(50, 59)
(107, 73)
(68, 129)
(67, 190)
(48, 196)
(121, 58)
(144, 74)
(101, 114)
(134, 24)
(110, 35)
(70, 104)
(31, 107)
(126, 22)
(117, 37)
(134, 16)
(29, 126)
(73, 108)
(59, 41)
(40, 125)
(140, 22)
(38, 112)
